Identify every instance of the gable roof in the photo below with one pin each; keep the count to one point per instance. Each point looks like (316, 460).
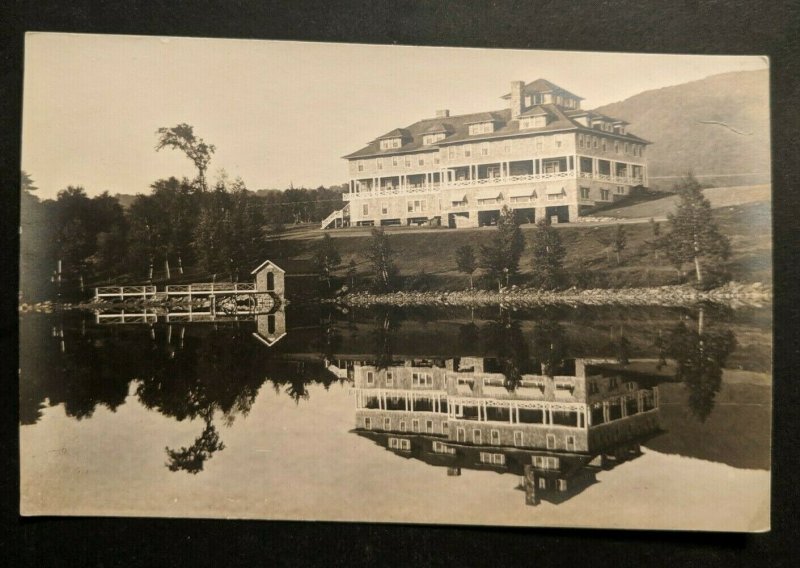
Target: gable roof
(264, 264)
(396, 133)
(543, 86)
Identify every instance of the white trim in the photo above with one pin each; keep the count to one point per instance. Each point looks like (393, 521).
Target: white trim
(263, 264)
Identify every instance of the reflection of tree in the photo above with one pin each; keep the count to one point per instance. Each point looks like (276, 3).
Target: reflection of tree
(81, 377)
(700, 357)
(222, 373)
(504, 337)
(193, 458)
(383, 336)
(550, 344)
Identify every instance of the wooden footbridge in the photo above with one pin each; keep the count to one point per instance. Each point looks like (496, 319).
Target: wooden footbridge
(197, 302)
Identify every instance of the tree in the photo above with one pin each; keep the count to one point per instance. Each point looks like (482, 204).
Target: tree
(379, 254)
(466, 261)
(548, 256)
(655, 243)
(351, 272)
(694, 236)
(500, 258)
(326, 258)
(182, 137)
(620, 241)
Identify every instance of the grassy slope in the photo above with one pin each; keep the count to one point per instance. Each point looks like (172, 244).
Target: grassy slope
(748, 225)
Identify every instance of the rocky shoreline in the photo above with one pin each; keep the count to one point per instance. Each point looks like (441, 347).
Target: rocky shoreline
(732, 294)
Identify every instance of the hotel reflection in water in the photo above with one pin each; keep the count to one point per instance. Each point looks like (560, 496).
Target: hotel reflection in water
(555, 432)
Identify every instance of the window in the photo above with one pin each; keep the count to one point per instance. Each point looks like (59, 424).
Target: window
(380, 164)
(485, 149)
(539, 121)
(365, 209)
(387, 423)
(580, 140)
(389, 377)
(604, 194)
(528, 101)
(507, 147)
(616, 146)
(467, 150)
(445, 427)
(408, 161)
(451, 152)
(620, 190)
(368, 423)
(562, 484)
(493, 459)
(584, 193)
(402, 425)
(518, 438)
(558, 141)
(604, 144)
(476, 436)
(436, 159)
(415, 425)
(370, 378)
(570, 443)
(542, 483)
(429, 426)
(361, 165)
(495, 436)
(421, 379)
(421, 161)
(440, 448)
(539, 143)
(395, 161)
(394, 443)
(594, 142)
(551, 441)
(626, 147)
(400, 444)
(461, 435)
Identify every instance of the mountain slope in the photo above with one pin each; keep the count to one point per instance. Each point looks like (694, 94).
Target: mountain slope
(671, 118)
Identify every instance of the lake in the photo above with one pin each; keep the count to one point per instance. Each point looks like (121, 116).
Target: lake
(588, 416)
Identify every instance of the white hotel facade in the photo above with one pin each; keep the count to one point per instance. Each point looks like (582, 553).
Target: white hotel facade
(543, 156)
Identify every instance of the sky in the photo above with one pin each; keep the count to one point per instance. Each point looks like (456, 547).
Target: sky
(279, 112)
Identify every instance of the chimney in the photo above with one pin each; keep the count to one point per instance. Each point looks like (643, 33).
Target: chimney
(442, 113)
(516, 98)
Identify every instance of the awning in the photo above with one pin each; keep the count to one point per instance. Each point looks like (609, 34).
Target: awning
(458, 198)
(555, 191)
(523, 192)
(489, 195)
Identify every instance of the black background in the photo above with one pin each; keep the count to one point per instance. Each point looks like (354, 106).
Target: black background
(690, 26)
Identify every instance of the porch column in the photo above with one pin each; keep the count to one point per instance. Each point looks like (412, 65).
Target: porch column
(606, 413)
(588, 416)
(623, 406)
(595, 167)
(533, 166)
(510, 415)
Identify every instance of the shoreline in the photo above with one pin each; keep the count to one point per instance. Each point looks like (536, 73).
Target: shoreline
(732, 294)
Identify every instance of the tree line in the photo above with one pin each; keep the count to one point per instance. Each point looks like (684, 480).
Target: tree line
(218, 228)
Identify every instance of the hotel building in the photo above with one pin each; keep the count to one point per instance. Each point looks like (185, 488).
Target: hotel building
(543, 156)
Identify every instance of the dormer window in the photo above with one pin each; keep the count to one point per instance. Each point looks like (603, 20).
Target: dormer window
(481, 128)
(390, 143)
(533, 122)
(528, 101)
(429, 139)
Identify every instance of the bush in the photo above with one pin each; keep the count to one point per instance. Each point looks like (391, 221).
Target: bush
(421, 282)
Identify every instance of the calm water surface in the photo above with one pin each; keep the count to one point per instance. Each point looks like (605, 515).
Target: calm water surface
(581, 417)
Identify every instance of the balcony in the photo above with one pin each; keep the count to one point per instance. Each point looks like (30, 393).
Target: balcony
(385, 191)
(620, 180)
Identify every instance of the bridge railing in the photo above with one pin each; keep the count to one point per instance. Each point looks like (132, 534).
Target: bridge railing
(124, 291)
(209, 287)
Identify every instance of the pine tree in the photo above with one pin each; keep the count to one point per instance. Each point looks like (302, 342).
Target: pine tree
(500, 258)
(694, 236)
(548, 256)
(466, 261)
(326, 258)
(620, 241)
(379, 254)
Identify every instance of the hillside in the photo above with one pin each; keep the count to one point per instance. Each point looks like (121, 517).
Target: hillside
(670, 119)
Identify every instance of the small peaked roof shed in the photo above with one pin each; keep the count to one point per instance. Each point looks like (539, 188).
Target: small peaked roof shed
(267, 264)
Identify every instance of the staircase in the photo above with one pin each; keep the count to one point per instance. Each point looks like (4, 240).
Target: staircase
(338, 218)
